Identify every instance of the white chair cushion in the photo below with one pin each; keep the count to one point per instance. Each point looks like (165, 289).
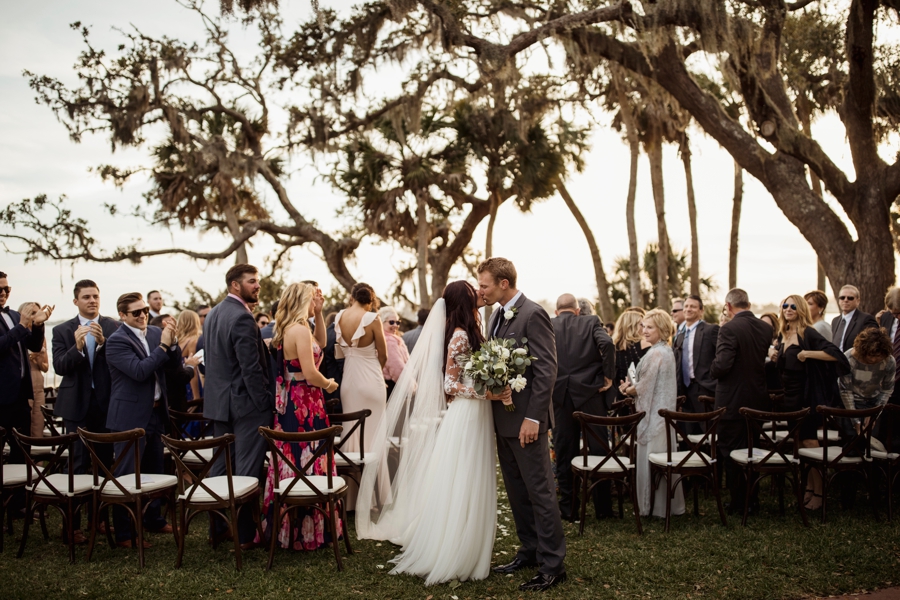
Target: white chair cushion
(301, 489)
(778, 424)
(661, 458)
(80, 484)
(611, 465)
(353, 457)
(150, 482)
(743, 456)
(219, 485)
(696, 437)
(833, 436)
(880, 455)
(190, 458)
(47, 451)
(819, 454)
(17, 474)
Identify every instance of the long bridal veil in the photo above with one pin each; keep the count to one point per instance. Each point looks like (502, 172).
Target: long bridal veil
(390, 492)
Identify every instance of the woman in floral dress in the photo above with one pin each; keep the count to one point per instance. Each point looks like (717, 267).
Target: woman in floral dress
(300, 407)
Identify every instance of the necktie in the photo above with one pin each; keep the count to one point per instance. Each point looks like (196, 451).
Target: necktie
(897, 351)
(840, 334)
(90, 342)
(685, 359)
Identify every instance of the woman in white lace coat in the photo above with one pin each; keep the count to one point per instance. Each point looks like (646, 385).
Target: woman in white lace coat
(655, 387)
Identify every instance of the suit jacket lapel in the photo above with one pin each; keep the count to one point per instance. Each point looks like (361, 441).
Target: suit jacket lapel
(136, 342)
(506, 324)
(698, 335)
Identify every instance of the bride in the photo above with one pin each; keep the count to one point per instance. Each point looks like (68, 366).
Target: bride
(435, 446)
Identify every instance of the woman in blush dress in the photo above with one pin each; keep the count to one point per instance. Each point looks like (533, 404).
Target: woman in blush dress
(397, 353)
(359, 339)
(655, 387)
(299, 407)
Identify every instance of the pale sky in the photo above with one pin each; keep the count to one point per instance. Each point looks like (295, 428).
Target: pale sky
(547, 246)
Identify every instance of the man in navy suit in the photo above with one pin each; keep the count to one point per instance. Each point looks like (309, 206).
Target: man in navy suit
(79, 357)
(18, 334)
(137, 355)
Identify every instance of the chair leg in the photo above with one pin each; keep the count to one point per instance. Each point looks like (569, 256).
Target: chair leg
(796, 480)
(583, 507)
(273, 534)
(824, 478)
(42, 515)
(748, 474)
(654, 483)
(632, 485)
(343, 502)
(109, 522)
(332, 524)
(181, 534)
(139, 529)
(668, 498)
(235, 536)
(95, 515)
(29, 516)
(68, 525)
(718, 493)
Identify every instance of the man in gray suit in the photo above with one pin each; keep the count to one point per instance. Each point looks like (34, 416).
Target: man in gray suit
(412, 336)
(236, 396)
(522, 443)
(586, 359)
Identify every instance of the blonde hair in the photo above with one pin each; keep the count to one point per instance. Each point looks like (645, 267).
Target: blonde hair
(386, 311)
(187, 325)
(663, 322)
(804, 318)
(27, 305)
(628, 329)
(293, 309)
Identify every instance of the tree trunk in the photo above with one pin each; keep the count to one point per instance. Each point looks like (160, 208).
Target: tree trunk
(489, 250)
(607, 313)
(234, 227)
(444, 257)
(423, 230)
(804, 113)
(653, 146)
(692, 215)
(735, 225)
(634, 263)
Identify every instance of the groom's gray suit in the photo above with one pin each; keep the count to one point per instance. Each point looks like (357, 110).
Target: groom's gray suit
(527, 472)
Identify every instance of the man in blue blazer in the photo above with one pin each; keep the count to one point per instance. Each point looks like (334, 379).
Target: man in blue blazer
(18, 335)
(137, 354)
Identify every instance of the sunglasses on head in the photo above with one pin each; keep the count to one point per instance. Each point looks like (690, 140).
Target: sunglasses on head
(851, 298)
(141, 311)
(789, 306)
(5, 290)
(392, 322)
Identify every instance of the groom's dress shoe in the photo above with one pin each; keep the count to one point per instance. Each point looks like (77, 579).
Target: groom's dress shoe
(516, 565)
(542, 582)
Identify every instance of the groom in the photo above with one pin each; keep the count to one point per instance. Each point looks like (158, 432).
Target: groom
(522, 444)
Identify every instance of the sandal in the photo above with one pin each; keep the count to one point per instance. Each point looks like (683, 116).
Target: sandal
(807, 505)
(808, 495)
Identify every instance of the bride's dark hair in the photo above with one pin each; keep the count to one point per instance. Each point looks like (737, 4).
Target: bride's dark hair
(461, 300)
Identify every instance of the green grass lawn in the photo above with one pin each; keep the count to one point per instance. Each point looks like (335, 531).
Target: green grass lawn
(774, 557)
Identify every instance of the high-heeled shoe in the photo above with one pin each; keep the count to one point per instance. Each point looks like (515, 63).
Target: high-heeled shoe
(815, 505)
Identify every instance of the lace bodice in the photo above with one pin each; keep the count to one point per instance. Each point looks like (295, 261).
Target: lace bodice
(458, 353)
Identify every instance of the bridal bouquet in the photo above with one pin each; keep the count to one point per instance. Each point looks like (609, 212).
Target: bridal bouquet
(498, 363)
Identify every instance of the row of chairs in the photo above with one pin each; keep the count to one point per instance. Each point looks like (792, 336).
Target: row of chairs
(771, 452)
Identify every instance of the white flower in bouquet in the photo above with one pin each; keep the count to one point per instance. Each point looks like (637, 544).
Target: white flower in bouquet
(499, 363)
(518, 384)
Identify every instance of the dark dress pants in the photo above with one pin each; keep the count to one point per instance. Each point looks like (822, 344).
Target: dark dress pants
(17, 415)
(248, 454)
(151, 451)
(694, 406)
(732, 435)
(528, 476)
(566, 435)
(95, 422)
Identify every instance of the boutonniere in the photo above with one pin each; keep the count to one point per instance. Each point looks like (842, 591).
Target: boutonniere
(510, 314)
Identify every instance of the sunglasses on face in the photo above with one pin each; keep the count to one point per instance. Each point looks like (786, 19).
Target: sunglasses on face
(789, 306)
(5, 290)
(141, 311)
(393, 322)
(675, 310)
(851, 298)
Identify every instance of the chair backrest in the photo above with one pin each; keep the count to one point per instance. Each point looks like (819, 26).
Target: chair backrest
(195, 405)
(680, 401)
(623, 444)
(861, 442)
(192, 476)
(182, 425)
(709, 401)
(131, 440)
(325, 447)
(675, 428)
(50, 419)
(61, 445)
(621, 408)
(787, 448)
(360, 417)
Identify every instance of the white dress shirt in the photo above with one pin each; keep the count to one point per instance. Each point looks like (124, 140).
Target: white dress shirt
(846, 318)
(142, 335)
(689, 339)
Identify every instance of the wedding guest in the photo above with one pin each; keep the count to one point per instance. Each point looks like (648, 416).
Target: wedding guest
(773, 377)
(262, 319)
(678, 314)
(846, 327)
(39, 363)
(654, 388)
(585, 307)
(586, 360)
(412, 336)
(359, 339)
(137, 354)
(155, 301)
(202, 310)
(268, 331)
(19, 333)
(890, 320)
(610, 328)
(695, 349)
(816, 300)
(299, 408)
(629, 343)
(870, 382)
(739, 368)
(397, 354)
(238, 398)
(332, 367)
(187, 332)
(809, 366)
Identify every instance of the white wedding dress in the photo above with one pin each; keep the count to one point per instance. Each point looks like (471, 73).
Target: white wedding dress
(442, 505)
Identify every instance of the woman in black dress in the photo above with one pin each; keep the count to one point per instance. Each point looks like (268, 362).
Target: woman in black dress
(809, 366)
(629, 342)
